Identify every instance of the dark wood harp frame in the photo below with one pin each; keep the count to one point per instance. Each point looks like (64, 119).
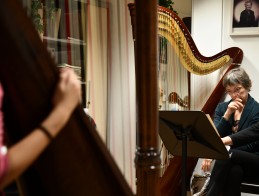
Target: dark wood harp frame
(77, 162)
(142, 17)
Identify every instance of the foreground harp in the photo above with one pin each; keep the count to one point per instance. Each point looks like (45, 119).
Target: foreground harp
(77, 162)
(175, 31)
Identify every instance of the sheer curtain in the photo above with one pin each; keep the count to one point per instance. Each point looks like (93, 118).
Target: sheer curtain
(97, 63)
(111, 79)
(122, 106)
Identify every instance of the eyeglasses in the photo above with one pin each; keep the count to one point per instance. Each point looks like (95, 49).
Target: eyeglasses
(235, 91)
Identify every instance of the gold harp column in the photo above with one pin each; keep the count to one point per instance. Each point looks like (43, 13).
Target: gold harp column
(147, 158)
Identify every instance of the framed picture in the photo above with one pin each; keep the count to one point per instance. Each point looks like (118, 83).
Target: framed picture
(162, 50)
(244, 17)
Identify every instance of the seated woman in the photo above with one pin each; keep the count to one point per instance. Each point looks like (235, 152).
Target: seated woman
(230, 117)
(14, 161)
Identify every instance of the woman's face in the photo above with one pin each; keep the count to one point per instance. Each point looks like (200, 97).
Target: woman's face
(237, 91)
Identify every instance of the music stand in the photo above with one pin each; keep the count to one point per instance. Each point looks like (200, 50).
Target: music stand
(192, 134)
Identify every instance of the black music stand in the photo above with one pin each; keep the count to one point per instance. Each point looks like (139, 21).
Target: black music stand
(190, 134)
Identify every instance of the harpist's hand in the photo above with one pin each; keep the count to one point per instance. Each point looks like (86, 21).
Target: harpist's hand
(234, 106)
(206, 165)
(227, 140)
(68, 91)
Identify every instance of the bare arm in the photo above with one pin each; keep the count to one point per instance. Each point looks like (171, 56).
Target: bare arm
(24, 153)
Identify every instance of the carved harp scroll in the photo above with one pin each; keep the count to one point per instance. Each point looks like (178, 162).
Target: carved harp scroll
(174, 30)
(77, 162)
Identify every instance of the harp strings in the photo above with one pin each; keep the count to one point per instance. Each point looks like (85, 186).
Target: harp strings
(169, 27)
(173, 77)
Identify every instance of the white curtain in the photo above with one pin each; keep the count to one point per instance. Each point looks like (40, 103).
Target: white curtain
(121, 138)
(111, 80)
(97, 64)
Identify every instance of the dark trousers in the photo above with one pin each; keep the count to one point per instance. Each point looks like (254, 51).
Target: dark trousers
(227, 175)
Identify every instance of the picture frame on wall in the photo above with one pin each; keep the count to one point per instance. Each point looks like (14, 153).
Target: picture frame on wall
(244, 17)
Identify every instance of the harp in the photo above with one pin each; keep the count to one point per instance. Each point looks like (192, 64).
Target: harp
(174, 30)
(77, 162)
